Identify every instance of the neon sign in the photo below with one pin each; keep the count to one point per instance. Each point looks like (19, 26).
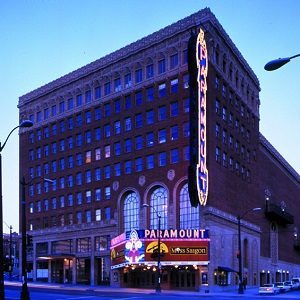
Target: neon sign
(202, 65)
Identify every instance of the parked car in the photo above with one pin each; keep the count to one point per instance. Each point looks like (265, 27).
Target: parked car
(296, 282)
(268, 288)
(292, 284)
(282, 287)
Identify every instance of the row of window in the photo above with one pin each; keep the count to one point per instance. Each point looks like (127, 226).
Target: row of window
(81, 245)
(158, 199)
(120, 168)
(69, 200)
(137, 98)
(118, 127)
(79, 217)
(232, 122)
(228, 140)
(234, 165)
(237, 78)
(138, 143)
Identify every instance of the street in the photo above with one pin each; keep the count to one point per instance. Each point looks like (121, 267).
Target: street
(12, 292)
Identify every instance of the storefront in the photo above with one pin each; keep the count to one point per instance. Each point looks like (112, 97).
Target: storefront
(184, 258)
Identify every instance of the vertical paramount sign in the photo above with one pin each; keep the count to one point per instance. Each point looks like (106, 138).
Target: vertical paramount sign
(202, 172)
(198, 67)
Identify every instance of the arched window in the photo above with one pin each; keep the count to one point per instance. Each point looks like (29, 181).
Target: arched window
(189, 216)
(158, 205)
(131, 211)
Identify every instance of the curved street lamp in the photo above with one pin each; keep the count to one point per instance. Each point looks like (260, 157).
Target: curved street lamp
(26, 123)
(158, 287)
(278, 63)
(24, 292)
(239, 217)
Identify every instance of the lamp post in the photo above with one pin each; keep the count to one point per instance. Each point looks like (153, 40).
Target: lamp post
(241, 287)
(10, 251)
(278, 63)
(26, 123)
(158, 278)
(25, 292)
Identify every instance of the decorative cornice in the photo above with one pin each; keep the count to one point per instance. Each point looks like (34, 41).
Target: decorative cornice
(267, 145)
(210, 210)
(200, 17)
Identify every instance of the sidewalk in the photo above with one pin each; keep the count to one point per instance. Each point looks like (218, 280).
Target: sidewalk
(251, 291)
(99, 289)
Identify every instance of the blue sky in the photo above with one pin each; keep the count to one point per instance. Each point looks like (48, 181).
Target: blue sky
(43, 40)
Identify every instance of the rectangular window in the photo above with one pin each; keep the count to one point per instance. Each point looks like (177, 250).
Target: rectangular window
(162, 90)
(138, 142)
(107, 110)
(161, 66)
(117, 83)
(107, 88)
(162, 159)
(138, 164)
(162, 113)
(117, 168)
(174, 61)
(128, 167)
(98, 195)
(107, 151)
(107, 132)
(174, 86)
(174, 110)
(174, 156)
(70, 103)
(174, 133)
(107, 193)
(128, 124)
(149, 71)
(98, 214)
(98, 92)
(97, 154)
(138, 75)
(162, 136)
(117, 106)
(150, 117)
(128, 81)
(150, 161)
(79, 100)
(128, 102)
(138, 98)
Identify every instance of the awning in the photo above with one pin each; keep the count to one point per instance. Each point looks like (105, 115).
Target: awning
(226, 269)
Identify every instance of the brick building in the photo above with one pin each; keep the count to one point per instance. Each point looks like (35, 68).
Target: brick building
(115, 134)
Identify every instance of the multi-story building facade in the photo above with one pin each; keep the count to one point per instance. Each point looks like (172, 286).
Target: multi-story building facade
(115, 135)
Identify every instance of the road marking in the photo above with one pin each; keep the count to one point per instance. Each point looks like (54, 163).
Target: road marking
(76, 298)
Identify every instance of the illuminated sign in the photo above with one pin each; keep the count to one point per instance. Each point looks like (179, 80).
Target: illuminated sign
(188, 250)
(177, 246)
(177, 234)
(202, 65)
(134, 248)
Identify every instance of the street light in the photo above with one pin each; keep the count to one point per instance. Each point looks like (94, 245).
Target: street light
(25, 292)
(241, 287)
(10, 251)
(26, 123)
(278, 63)
(158, 287)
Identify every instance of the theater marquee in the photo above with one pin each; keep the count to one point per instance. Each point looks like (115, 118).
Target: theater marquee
(181, 247)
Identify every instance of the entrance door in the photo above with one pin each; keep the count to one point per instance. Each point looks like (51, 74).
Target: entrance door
(57, 271)
(183, 279)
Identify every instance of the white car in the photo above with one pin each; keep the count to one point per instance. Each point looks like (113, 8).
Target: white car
(282, 287)
(292, 284)
(268, 288)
